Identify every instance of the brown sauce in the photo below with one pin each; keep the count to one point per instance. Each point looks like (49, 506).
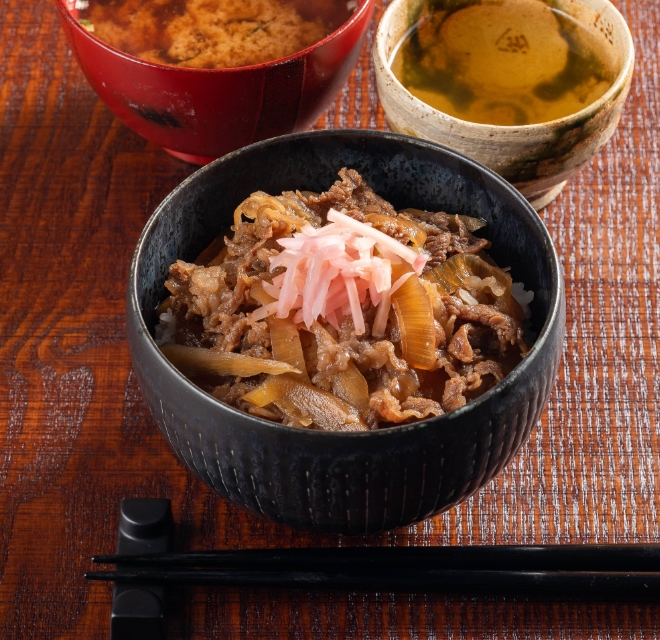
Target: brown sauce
(213, 34)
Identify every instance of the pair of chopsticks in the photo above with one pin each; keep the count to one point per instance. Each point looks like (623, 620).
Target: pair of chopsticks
(623, 570)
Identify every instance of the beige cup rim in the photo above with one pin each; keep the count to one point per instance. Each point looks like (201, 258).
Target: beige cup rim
(621, 80)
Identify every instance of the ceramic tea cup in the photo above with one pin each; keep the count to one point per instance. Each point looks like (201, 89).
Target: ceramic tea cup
(538, 159)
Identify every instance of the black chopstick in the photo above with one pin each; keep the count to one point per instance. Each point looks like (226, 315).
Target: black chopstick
(621, 584)
(595, 558)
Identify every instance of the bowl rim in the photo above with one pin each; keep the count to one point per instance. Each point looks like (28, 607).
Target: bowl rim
(364, 6)
(618, 86)
(504, 386)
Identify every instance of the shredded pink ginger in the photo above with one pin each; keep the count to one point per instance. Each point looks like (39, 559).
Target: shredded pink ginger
(330, 272)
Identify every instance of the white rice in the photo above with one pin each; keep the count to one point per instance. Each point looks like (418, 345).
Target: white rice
(522, 297)
(166, 328)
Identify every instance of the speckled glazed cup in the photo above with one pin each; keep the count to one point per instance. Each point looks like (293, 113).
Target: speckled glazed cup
(333, 481)
(537, 159)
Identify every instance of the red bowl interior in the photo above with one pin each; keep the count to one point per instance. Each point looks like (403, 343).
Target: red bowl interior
(201, 114)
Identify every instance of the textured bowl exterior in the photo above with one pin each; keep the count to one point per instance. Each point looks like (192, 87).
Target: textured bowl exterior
(535, 158)
(346, 482)
(202, 114)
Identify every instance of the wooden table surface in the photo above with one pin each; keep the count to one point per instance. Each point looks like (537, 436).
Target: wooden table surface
(76, 188)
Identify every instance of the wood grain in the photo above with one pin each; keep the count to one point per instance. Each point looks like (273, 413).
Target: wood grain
(76, 187)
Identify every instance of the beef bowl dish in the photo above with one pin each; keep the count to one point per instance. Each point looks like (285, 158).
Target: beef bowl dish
(345, 331)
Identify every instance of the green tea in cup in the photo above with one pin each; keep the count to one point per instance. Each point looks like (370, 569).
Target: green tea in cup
(502, 62)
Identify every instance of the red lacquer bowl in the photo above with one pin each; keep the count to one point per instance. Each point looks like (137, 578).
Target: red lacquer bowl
(201, 114)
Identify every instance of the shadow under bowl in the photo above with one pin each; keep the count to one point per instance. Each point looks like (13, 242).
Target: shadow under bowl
(198, 115)
(346, 482)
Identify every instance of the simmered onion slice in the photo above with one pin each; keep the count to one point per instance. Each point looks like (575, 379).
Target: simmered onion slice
(326, 410)
(196, 360)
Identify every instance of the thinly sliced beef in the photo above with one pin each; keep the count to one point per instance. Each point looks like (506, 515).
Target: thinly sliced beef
(489, 367)
(438, 247)
(452, 397)
(259, 334)
(446, 244)
(203, 292)
(391, 410)
(509, 331)
(228, 334)
(422, 406)
(257, 351)
(199, 291)
(460, 346)
(212, 303)
(351, 192)
(473, 378)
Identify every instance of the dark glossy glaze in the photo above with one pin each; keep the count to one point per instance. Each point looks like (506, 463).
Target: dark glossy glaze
(334, 482)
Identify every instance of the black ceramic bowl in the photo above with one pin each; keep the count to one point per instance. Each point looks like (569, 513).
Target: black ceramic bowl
(346, 482)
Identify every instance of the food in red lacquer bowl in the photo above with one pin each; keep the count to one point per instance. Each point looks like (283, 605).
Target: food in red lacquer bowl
(202, 87)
